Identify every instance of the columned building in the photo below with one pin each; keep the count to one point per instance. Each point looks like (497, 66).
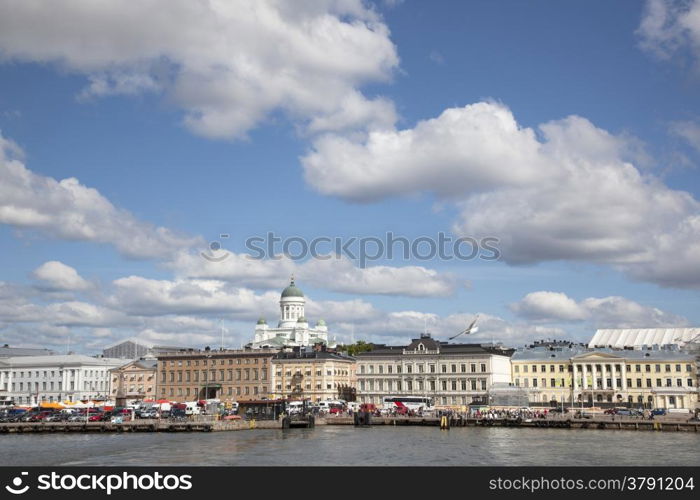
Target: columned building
(576, 375)
(31, 380)
(453, 375)
(293, 329)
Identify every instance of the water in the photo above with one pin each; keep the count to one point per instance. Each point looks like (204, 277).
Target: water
(345, 445)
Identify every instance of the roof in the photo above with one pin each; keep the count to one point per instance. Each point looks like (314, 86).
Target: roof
(311, 354)
(292, 290)
(546, 353)
(6, 352)
(60, 359)
(579, 352)
(639, 337)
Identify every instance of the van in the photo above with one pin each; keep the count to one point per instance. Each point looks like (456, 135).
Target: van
(192, 408)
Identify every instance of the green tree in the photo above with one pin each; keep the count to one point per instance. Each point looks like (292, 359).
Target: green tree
(356, 348)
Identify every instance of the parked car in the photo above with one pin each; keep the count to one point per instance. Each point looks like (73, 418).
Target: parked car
(148, 413)
(658, 412)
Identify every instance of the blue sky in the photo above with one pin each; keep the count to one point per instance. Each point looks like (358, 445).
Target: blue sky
(569, 131)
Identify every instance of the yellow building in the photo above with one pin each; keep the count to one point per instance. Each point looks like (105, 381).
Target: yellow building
(133, 382)
(576, 375)
(316, 374)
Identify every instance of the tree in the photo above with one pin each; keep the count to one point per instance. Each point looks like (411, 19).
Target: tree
(356, 348)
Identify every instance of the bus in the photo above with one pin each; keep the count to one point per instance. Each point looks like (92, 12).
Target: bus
(402, 404)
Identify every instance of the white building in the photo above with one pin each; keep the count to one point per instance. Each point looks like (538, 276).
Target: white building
(29, 380)
(453, 375)
(636, 338)
(293, 328)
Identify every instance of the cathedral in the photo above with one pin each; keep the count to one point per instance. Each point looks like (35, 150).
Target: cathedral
(293, 328)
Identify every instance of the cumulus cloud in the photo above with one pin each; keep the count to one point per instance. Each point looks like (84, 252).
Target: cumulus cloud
(549, 305)
(68, 210)
(148, 297)
(566, 191)
(227, 64)
(58, 276)
(338, 274)
(605, 312)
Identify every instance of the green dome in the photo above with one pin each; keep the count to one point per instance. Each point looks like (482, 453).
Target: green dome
(262, 321)
(292, 291)
(302, 319)
(321, 323)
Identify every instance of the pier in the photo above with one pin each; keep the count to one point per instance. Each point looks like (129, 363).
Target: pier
(548, 423)
(200, 425)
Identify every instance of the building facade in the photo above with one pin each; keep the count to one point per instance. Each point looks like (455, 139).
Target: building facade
(228, 375)
(577, 375)
(316, 374)
(293, 328)
(30, 380)
(133, 382)
(453, 375)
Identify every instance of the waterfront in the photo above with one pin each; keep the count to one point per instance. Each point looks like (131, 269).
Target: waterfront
(357, 446)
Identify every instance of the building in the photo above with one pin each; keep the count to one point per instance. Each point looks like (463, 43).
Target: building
(133, 382)
(29, 380)
(135, 348)
(575, 374)
(315, 373)
(637, 338)
(454, 375)
(225, 374)
(293, 328)
(9, 352)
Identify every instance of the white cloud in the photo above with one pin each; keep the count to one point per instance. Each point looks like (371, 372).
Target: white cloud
(669, 26)
(606, 312)
(68, 210)
(148, 297)
(228, 64)
(327, 272)
(58, 276)
(549, 305)
(567, 191)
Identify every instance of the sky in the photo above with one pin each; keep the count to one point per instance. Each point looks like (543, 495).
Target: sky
(132, 137)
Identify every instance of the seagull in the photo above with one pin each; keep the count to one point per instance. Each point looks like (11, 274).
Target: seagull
(470, 329)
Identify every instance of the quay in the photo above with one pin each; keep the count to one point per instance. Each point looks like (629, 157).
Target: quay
(208, 425)
(548, 423)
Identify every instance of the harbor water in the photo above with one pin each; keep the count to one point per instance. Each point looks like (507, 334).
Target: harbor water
(343, 445)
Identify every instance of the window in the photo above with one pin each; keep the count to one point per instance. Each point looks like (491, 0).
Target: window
(463, 368)
(454, 368)
(534, 368)
(517, 369)
(483, 367)
(679, 382)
